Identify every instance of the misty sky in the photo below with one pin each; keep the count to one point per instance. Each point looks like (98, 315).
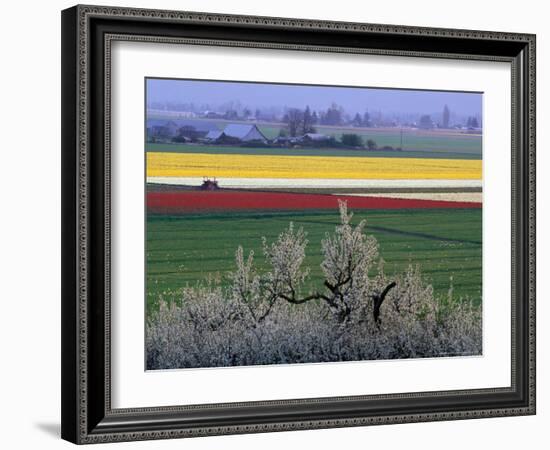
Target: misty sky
(263, 95)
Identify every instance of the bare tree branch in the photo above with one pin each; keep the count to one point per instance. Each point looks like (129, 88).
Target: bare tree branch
(379, 299)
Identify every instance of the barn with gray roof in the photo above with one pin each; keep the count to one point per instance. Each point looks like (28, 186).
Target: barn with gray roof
(241, 131)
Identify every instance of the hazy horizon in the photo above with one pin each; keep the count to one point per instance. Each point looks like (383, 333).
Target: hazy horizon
(352, 99)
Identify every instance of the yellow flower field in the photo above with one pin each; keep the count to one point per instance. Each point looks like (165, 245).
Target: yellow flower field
(264, 166)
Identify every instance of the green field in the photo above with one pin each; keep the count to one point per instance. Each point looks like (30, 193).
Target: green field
(415, 140)
(231, 150)
(185, 249)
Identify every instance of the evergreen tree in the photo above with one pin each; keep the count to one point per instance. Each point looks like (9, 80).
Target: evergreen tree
(426, 122)
(314, 118)
(366, 119)
(446, 116)
(307, 122)
(333, 116)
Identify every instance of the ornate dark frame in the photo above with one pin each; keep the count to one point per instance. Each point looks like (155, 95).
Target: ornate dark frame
(87, 33)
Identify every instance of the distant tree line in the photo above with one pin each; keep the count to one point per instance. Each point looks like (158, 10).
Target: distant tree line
(299, 122)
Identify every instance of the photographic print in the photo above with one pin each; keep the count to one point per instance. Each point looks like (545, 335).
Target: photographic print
(335, 220)
(294, 223)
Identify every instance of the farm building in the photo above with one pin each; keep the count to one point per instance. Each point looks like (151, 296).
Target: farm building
(212, 135)
(282, 140)
(244, 132)
(314, 137)
(199, 125)
(167, 129)
(190, 133)
(238, 132)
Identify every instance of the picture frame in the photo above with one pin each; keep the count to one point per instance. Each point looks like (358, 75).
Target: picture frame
(88, 415)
